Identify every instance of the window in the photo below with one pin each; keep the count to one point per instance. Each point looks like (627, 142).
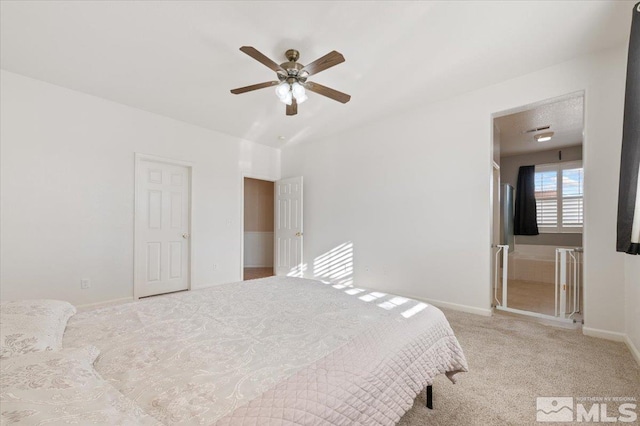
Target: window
(559, 193)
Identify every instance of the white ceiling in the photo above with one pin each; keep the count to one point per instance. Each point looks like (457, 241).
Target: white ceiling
(565, 116)
(181, 58)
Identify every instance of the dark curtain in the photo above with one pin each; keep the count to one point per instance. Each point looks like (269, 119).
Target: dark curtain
(525, 221)
(628, 208)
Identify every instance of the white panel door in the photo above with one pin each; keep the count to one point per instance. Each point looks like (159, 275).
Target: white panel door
(288, 236)
(162, 228)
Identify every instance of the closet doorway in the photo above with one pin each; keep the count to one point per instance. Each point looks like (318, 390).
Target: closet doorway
(258, 228)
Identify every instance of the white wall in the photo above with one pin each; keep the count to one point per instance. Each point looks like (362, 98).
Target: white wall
(67, 171)
(258, 249)
(412, 192)
(632, 308)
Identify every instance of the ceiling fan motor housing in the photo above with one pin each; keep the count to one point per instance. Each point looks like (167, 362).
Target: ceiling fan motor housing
(292, 55)
(292, 68)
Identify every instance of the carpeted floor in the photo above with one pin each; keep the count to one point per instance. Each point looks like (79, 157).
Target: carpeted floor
(512, 361)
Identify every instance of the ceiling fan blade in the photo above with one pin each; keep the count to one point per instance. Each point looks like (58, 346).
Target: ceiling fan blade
(254, 87)
(293, 108)
(253, 52)
(327, 61)
(328, 92)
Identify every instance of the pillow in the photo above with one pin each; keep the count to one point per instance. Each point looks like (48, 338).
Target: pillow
(62, 387)
(32, 325)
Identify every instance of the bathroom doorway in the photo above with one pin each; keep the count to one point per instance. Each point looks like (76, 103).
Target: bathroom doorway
(537, 263)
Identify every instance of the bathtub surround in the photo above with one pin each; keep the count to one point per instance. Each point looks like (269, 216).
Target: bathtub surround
(532, 278)
(551, 239)
(532, 263)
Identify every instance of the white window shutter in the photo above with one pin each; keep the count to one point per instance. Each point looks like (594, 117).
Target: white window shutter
(559, 197)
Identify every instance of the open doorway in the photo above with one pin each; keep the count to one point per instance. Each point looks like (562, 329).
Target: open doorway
(537, 252)
(258, 228)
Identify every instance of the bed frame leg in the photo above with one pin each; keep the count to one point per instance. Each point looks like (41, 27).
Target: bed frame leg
(430, 397)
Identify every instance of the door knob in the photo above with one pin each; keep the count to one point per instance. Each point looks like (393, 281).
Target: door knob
(185, 235)
(299, 234)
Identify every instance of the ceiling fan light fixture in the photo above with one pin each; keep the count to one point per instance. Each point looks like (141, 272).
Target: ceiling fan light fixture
(297, 89)
(292, 85)
(543, 137)
(287, 99)
(301, 98)
(299, 92)
(282, 90)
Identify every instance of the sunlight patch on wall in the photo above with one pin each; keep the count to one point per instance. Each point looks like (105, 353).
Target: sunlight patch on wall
(335, 266)
(298, 271)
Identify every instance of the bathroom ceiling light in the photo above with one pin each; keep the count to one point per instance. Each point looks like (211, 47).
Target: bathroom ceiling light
(543, 137)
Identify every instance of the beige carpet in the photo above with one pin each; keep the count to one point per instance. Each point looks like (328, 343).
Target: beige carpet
(512, 361)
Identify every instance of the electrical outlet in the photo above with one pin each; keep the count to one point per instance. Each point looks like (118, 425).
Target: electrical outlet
(215, 266)
(84, 284)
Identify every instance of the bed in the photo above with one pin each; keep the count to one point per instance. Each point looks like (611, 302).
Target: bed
(279, 350)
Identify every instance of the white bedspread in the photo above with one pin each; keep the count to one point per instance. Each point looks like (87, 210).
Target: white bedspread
(271, 351)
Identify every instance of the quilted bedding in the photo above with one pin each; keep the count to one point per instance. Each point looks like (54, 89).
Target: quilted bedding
(273, 351)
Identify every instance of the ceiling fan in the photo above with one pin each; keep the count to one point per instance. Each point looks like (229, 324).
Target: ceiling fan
(292, 78)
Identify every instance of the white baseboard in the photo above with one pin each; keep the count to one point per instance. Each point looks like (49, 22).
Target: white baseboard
(88, 306)
(615, 336)
(634, 350)
(604, 334)
(455, 307)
